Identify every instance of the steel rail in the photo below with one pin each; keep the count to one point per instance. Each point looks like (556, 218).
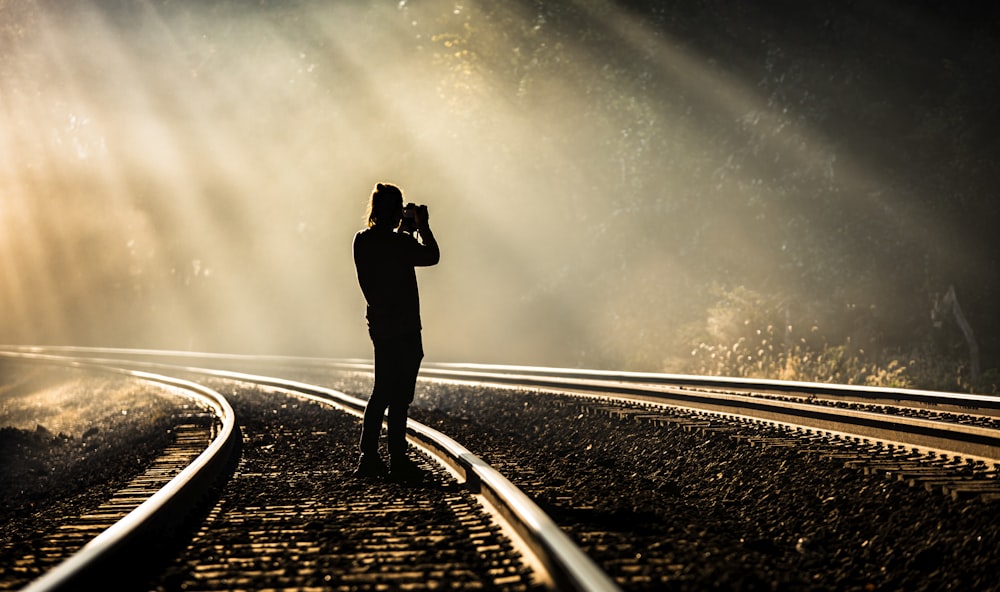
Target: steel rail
(936, 399)
(973, 442)
(985, 404)
(724, 396)
(123, 543)
(565, 565)
(713, 394)
(734, 397)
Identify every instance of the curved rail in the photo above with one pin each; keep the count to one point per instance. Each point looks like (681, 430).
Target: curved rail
(986, 404)
(940, 399)
(565, 565)
(741, 397)
(974, 442)
(123, 543)
(734, 397)
(715, 394)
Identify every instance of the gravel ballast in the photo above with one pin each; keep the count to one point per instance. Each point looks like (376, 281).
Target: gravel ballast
(68, 440)
(663, 508)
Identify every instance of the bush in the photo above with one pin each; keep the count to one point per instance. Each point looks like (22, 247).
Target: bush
(750, 335)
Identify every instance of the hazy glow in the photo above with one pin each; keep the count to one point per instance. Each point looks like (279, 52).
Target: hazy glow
(180, 175)
(67, 402)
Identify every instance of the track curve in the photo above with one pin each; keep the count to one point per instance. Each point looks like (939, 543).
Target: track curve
(157, 516)
(562, 564)
(662, 486)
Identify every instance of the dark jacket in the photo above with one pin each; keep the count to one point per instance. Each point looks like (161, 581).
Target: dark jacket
(385, 262)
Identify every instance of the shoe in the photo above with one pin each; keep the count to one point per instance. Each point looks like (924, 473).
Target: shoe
(402, 469)
(371, 465)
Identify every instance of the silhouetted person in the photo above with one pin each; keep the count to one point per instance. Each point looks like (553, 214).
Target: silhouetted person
(385, 255)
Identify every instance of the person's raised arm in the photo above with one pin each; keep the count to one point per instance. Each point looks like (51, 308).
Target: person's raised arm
(429, 253)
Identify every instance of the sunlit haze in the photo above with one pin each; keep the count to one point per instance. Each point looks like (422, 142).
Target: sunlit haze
(603, 183)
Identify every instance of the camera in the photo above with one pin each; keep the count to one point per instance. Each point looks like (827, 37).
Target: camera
(409, 222)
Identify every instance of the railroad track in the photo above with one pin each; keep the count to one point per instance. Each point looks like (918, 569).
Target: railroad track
(952, 439)
(936, 424)
(954, 424)
(148, 514)
(937, 442)
(537, 542)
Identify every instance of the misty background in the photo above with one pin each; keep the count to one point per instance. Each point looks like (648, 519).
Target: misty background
(781, 189)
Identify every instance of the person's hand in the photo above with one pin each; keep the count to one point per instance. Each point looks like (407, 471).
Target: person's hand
(421, 217)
